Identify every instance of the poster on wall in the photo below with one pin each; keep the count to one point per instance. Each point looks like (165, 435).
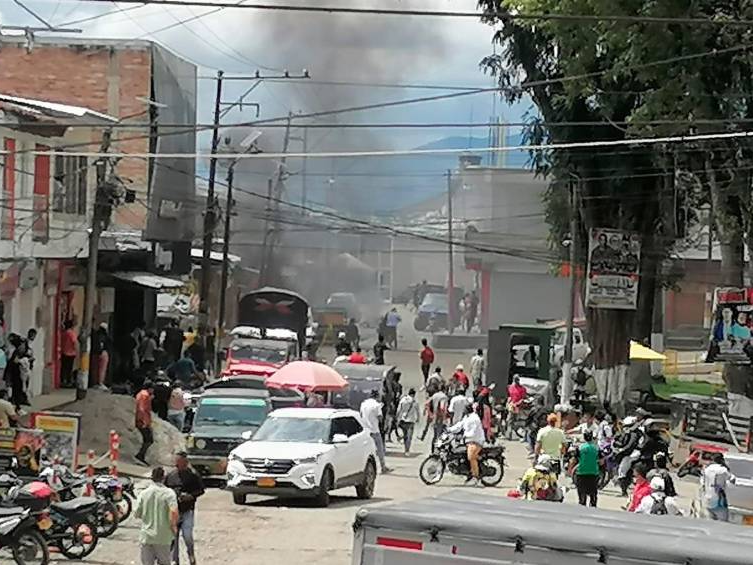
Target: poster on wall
(61, 432)
(614, 259)
(20, 450)
(732, 322)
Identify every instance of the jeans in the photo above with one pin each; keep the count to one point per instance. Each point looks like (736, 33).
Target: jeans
(407, 428)
(151, 554)
(176, 418)
(147, 439)
(438, 431)
(626, 463)
(588, 489)
(718, 514)
(185, 527)
(425, 371)
(379, 442)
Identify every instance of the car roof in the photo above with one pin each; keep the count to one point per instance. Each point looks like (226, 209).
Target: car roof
(315, 413)
(362, 370)
(236, 392)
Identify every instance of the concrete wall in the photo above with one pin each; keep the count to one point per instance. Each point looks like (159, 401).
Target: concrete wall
(524, 297)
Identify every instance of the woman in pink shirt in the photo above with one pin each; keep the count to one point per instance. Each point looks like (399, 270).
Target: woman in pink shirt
(68, 353)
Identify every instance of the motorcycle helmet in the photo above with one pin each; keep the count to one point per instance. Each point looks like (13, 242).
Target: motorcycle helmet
(657, 484)
(629, 421)
(341, 335)
(544, 464)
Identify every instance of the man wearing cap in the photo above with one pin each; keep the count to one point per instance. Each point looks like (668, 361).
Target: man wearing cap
(188, 486)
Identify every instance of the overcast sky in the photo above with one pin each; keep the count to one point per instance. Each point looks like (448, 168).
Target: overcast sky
(361, 48)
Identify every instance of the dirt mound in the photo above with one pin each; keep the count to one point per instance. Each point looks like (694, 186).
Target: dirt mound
(102, 412)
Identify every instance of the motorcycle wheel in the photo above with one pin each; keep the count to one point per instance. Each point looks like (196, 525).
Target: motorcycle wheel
(124, 507)
(431, 470)
(79, 540)
(30, 548)
(107, 519)
(492, 472)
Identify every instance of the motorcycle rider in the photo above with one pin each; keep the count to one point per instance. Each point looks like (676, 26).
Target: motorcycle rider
(473, 433)
(551, 441)
(342, 347)
(540, 483)
(628, 447)
(660, 470)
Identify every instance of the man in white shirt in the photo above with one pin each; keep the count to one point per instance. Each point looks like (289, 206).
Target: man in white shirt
(473, 433)
(438, 408)
(657, 502)
(458, 404)
(714, 482)
(407, 415)
(478, 367)
(371, 411)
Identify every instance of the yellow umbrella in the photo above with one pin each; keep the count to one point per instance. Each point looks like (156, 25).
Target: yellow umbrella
(640, 352)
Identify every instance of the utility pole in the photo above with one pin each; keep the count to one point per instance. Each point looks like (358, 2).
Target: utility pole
(567, 365)
(210, 219)
(226, 249)
(274, 197)
(265, 242)
(451, 266)
(100, 215)
(304, 178)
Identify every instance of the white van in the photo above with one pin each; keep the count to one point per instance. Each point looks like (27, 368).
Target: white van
(471, 528)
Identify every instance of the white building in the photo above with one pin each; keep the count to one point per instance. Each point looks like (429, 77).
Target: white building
(47, 202)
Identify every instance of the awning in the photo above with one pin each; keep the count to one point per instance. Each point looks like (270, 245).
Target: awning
(148, 280)
(640, 352)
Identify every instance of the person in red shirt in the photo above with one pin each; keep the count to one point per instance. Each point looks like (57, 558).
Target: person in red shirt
(427, 358)
(144, 419)
(642, 487)
(516, 393)
(357, 357)
(68, 353)
(460, 378)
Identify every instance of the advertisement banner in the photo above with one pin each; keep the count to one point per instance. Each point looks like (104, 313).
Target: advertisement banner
(61, 432)
(614, 259)
(20, 451)
(730, 339)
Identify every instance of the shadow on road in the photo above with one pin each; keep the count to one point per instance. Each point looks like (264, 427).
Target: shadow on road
(335, 502)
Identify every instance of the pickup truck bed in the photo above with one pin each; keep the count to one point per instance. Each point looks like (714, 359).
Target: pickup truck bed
(465, 527)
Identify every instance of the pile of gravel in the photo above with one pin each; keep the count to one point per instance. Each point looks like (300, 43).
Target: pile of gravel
(103, 411)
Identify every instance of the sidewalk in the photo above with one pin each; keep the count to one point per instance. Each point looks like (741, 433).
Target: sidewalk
(53, 400)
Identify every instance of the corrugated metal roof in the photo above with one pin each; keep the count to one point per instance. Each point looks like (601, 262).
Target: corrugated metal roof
(52, 110)
(148, 280)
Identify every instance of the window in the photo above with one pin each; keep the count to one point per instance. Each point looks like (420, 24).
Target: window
(348, 426)
(71, 184)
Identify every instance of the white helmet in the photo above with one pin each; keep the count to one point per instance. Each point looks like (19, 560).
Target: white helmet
(459, 368)
(657, 484)
(629, 421)
(341, 335)
(544, 463)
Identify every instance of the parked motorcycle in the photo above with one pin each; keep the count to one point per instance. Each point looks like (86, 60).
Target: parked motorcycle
(450, 454)
(19, 534)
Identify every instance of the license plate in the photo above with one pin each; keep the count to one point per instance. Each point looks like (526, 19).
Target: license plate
(748, 520)
(266, 482)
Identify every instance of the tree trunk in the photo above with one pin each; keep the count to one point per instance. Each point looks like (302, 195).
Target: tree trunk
(727, 226)
(610, 336)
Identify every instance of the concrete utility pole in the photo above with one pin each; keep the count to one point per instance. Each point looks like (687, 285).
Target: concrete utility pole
(100, 215)
(567, 365)
(451, 266)
(210, 219)
(226, 250)
(304, 176)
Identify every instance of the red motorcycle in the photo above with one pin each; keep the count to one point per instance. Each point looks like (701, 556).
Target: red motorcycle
(700, 454)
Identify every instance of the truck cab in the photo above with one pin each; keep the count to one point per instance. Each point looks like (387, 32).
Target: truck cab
(253, 352)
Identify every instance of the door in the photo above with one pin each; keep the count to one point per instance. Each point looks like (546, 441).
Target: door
(347, 460)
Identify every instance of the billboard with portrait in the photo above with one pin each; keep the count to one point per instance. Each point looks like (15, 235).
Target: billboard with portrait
(730, 339)
(614, 260)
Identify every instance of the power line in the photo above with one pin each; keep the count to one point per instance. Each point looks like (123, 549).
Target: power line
(448, 13)
(117, 10)
(33, 14)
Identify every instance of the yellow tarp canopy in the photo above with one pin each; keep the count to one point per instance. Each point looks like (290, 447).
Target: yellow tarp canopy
(640, 352)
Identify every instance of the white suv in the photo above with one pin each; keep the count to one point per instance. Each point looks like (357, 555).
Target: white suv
(304, 452)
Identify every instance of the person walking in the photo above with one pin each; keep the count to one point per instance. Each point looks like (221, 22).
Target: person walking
(427, 358)
(68, 353)
(176, 407)
(188, 487)
(714, 481)
(352, 335)
(157, 508)
(407, 416)
(551, 441)
(173, 342)
(458, 403)
(379, 348)
(391, 322)
(144, 419)
(148, 354)
(101, 344)
(371, 411)
(473, 433)
(478, 367)
(587, 470)
(438, 410)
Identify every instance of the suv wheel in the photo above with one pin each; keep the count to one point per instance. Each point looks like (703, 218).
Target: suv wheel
(365, 490)
(326, 484)
(239, 498)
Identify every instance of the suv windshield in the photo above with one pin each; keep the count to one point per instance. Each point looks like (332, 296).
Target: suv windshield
(231, 411)
(304, 430)
(435, 301)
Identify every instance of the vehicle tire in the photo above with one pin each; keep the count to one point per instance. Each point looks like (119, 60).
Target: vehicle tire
(492, 472)
(30, 548)
(107, 519)
(124, 507)
(688, 468)
(81, 540)
(326, 485)
(239, 498)
(425, 471)
(420, 323)
(366, 489)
